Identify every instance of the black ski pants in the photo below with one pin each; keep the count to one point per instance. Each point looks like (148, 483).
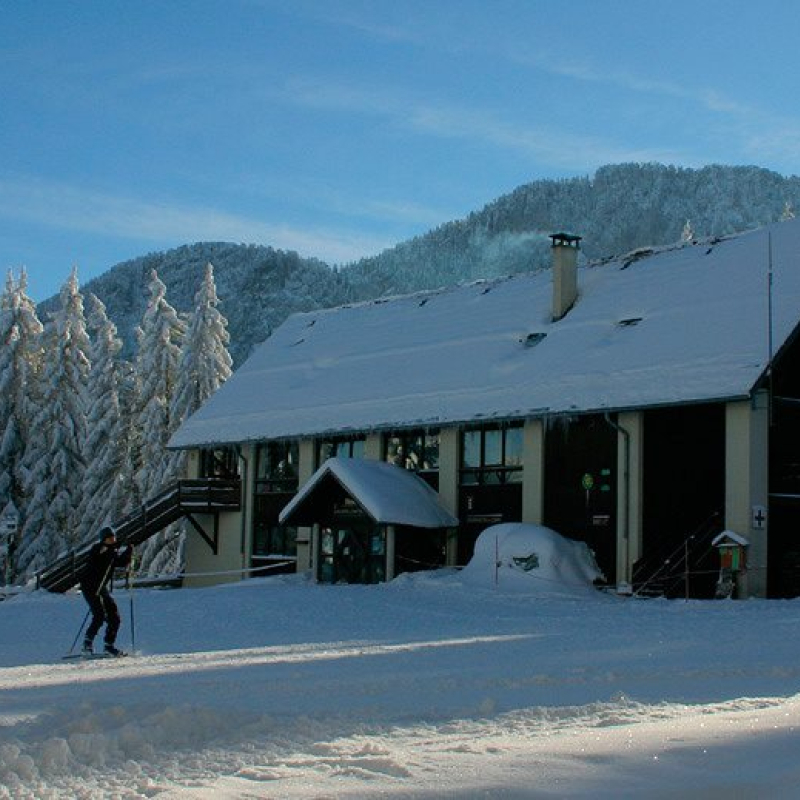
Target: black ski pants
(103, 609)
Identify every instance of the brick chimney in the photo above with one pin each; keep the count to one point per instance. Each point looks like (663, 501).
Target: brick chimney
(565, 272)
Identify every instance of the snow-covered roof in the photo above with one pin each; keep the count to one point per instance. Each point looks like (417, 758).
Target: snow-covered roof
(682, 324)
(389, 494)
(726, 537)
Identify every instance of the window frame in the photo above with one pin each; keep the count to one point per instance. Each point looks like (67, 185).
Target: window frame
(269, 482)
(408, 435)
(218, 462)
(509, 469)
(351, 443)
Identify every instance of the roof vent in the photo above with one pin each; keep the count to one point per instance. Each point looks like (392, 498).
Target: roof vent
(532, 339)
(565, 272)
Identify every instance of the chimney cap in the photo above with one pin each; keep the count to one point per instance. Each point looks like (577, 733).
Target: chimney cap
(565, 240)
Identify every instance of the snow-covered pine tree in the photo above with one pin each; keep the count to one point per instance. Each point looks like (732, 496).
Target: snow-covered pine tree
(205, 364)
(108, 476)
(9, 433)
(687, 235)
(788, 212)
(53, 461)
(20, 362)
(160, 342)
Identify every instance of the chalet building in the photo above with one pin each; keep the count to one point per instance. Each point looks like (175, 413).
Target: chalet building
(643, 404)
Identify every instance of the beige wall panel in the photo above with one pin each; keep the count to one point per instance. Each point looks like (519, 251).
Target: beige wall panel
(533, 472)
(746, 484)
(200, 559)
(373, 447)
(306, 468)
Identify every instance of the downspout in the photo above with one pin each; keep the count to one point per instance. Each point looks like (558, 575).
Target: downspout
(245, 499)
(626, 490)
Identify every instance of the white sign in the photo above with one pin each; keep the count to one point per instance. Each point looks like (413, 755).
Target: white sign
(759, 520)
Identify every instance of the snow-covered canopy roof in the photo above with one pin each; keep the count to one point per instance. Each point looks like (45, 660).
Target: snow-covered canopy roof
(728, 537)
(677, 325)
(388, 494)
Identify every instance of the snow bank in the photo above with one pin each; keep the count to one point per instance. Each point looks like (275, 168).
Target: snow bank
(438, 684)
(532, 558)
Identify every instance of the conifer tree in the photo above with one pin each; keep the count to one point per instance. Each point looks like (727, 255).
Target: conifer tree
(53, 461)
(108, 476)
(160, 342)
(9, 434)
(205, 364)
(20, 362)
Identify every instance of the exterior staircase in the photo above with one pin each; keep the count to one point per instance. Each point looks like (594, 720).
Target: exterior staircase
(182, 499)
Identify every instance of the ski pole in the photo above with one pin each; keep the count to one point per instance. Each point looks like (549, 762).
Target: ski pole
(130, 596)
(80, 631)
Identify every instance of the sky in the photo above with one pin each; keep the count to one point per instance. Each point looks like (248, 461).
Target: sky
(342, 127)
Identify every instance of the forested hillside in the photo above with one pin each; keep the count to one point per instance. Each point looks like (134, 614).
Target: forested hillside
(618, 209)
(259, 287)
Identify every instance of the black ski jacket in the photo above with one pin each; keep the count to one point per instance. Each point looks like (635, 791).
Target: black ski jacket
(100, 567)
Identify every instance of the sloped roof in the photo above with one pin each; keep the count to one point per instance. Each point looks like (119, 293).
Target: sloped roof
(389, 494)
(682, 324)
(729, 536)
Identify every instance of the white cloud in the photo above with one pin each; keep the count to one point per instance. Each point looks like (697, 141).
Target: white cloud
(756, 133)
(74, 208)
(552, 146)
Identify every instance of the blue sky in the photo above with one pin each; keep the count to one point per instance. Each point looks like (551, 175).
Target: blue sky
(339, 127)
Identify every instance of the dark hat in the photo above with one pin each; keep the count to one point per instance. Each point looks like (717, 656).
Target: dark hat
(107, 533)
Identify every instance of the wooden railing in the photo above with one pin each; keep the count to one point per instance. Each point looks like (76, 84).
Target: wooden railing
(184, 498)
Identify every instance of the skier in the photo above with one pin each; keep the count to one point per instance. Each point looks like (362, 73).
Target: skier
(104, 557)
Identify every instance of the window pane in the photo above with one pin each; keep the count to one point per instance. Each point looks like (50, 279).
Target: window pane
(222, 463)
(431, 457)
(493, 443)
(274, 457)
(471, 449)
(394, 450)
(414, 452)
(513, 447)
(357, 448)
(326, 542)
(293, 458)
(326, 450)
(492, 476)
(470, 477)
(261, 462)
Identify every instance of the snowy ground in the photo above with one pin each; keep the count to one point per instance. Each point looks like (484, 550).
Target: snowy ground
(436, 685)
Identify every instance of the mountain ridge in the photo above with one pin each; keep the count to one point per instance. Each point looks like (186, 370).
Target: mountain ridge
(621, 207)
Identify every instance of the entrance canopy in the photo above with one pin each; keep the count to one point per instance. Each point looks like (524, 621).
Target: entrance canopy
(387, 494)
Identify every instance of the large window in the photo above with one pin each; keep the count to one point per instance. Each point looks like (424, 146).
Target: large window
(341, 447)
(491, 455)
(415, 450)
(219, 463)
(276, 467)
(276, 481)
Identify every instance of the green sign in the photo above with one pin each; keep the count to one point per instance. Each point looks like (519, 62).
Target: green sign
(587, 481)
